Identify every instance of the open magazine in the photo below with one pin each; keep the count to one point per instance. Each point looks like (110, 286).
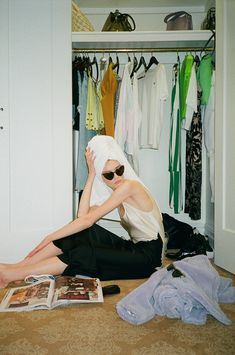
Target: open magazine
(47, 292)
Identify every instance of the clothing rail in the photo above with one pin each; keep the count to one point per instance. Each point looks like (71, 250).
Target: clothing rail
(141, 50)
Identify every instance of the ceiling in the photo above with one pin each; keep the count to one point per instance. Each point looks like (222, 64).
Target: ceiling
(139, 3)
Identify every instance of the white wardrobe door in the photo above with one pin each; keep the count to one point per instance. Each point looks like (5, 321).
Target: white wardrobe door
(40, 133)
(4, 121)
(224, 137)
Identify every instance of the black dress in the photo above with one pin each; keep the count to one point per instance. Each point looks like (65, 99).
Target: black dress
(97, 252)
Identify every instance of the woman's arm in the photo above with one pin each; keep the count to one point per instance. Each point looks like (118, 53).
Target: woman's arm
(85, 221)
(84, 203)
(125, 190)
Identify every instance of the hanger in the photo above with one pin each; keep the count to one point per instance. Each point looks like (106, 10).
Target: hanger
(77, 59)
(116, 65)
(78, 63)
(135, 64)
(176, 68)
(94, 62)
(110, 59)
(208, 42)
(89, 64)
(178, 57)
(196, 59)
(103, 61)
(85, 62)
(153, 60)
(141, 62)
(212, 54)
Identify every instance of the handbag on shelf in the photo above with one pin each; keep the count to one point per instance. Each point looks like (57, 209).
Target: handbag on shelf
(178, 21)
(117, 22)
(80, 22)
(209, 22)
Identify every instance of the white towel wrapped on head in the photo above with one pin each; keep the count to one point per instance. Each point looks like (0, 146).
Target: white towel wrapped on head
(106, 148)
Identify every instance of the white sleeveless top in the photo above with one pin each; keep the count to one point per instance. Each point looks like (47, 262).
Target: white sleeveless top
(141, 225)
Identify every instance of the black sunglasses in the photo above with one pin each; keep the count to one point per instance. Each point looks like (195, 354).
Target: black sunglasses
(118, 171)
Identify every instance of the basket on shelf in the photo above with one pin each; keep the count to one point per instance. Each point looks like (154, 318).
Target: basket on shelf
(80, 22)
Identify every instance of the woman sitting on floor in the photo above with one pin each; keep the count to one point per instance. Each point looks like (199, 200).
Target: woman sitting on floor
(85, 248)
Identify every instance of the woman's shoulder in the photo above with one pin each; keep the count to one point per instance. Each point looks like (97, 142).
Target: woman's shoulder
(129, 188)
(136, 189)
(133, 184)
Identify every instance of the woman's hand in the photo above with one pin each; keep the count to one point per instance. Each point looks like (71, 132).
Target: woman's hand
(90, 162)
(47, 240)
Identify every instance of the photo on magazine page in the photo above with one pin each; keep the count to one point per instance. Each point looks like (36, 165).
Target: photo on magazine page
(74, 289)
(25, 298)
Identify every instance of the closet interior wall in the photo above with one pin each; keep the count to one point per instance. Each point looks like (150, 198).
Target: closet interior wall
(148, 15)
(154, 163)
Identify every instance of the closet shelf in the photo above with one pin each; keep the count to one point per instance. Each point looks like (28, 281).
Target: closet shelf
(140, 39)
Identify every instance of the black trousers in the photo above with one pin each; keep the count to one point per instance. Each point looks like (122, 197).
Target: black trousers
(97, 252)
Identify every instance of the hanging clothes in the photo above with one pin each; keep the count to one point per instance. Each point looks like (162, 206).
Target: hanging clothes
(84, 134)
(208, 119)
(153, 91)
(194, 139)
(108, 91)
(204, 76)
(193, 169)
(191, 99)
(175, 188)
(193, 159)
(75, 97)
(135, 126)
(206, 79)
(94, 113)
(185, 74)
(128, 117)
(116, 101)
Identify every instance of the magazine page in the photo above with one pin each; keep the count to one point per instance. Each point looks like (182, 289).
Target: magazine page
(69, 289)
(37, 295)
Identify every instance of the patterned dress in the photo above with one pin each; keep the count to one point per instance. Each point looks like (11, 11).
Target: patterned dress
(193, 179)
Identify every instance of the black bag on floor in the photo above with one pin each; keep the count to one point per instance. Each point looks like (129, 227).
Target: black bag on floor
(177, 232)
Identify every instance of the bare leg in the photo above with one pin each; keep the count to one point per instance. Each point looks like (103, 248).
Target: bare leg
(49, 251)
(53, 266)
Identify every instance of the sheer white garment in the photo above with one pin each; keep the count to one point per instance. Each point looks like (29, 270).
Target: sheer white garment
(208, 120)
(128, 117)
(153, 91)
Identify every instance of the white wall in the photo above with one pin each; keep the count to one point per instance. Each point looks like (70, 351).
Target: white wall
(146, 18)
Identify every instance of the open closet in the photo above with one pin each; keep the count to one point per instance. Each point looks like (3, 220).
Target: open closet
(146, 51)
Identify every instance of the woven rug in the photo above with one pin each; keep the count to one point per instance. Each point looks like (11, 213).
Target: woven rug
(89, 329)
